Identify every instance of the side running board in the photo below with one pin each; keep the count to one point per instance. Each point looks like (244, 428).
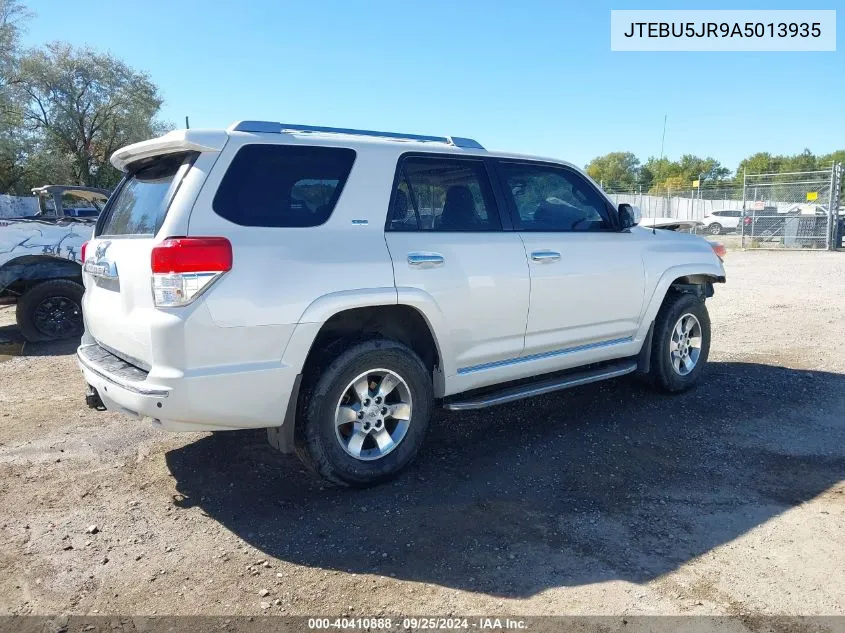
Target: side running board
(540, 387)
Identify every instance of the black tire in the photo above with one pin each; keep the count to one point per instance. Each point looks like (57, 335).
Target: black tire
(317, 443)
(662, 373)
(62, 298)
(714, 229)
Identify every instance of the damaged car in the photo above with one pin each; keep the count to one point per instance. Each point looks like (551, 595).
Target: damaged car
(41, 260)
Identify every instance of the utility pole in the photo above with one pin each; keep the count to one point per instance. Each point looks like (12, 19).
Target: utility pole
(744, 187)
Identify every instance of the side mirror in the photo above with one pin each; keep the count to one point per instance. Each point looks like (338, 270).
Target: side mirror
(629, 215)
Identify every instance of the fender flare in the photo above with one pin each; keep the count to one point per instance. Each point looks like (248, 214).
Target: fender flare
(712, 272)
(38, 268)
(325, 307)
(429, 309)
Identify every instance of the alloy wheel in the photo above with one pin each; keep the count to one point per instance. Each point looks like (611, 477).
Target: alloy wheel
(373, 414)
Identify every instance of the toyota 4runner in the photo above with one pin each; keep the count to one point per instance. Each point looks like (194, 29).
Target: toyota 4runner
(333, 285)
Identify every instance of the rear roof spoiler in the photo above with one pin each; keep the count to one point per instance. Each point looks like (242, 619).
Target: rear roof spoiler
(170, 143)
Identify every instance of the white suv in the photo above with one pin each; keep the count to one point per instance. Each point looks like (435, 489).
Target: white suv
(334, 285)
(719, 222)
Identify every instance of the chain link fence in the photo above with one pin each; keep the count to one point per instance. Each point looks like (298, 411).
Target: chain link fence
(784, 210)
(791, 210)
(684, 204)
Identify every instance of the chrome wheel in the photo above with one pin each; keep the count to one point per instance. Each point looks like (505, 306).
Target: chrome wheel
(685, 344)
(373, 414)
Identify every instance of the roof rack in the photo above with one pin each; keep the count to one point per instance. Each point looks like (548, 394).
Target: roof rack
(278, 128)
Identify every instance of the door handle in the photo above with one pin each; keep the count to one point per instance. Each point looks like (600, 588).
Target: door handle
(425, 260)
(545, 256)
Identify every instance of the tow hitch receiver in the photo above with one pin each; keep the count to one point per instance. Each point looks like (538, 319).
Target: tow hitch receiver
(92, 399)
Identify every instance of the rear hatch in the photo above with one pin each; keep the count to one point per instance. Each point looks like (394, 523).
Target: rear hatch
(118, 303)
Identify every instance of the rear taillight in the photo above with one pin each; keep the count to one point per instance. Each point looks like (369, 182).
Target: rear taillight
(747, 220)
(719, 249)
(183, 267)
(82, 250)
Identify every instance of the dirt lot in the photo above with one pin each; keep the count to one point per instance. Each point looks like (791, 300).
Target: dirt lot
(609, 499)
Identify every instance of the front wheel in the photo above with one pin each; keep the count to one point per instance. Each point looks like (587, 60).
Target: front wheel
(366, 414)
(714, 229)
(681, 342)
(51, 310)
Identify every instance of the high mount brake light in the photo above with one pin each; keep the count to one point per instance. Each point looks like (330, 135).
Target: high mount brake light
(184, 267)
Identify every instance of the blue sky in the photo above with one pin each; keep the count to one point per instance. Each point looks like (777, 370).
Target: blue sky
(531, 76)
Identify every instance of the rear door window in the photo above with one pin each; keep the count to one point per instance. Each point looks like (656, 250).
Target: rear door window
(283, 185)
(140, 204)
(443, 194)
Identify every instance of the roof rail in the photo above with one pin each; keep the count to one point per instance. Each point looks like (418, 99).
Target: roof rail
(278, 128)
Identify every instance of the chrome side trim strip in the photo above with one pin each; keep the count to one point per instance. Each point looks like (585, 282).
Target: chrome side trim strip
(123, 384)
(538, 389)
(544, 355)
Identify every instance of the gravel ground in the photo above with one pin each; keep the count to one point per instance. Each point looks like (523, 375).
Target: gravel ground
(609, 499)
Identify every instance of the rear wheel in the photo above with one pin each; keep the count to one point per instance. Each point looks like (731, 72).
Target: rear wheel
(681, 342)
(51, 310)
(366, 414)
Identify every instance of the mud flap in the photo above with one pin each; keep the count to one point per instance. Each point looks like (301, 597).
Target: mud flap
(281, 437)
(644, 357)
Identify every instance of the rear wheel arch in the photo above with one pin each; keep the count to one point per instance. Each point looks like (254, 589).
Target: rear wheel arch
(341, 331)
(401, 323)
(315, 344)
(325, 432)
(20, 274)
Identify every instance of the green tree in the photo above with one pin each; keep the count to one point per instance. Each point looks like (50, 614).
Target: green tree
(834, 157)
(657, 171)
(13, 140)
(826, 161)
(693, 167)
(81, 106)
(13, 17)
(805, 161)
(619, 170)
(759, 163)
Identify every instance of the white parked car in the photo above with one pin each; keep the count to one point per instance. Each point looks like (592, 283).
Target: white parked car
(719, 222)
(335, 285)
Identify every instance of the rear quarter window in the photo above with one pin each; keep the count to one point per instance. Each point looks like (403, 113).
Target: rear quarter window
(140, 203)
(283, 185)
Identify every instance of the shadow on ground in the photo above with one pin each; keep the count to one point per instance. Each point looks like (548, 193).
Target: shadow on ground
(12, 343)
(609, 481)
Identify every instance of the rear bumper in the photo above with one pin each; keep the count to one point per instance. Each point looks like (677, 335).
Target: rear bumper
(245, 396)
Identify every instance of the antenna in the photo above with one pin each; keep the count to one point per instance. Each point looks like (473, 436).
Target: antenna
(187, 124)
(662, 141)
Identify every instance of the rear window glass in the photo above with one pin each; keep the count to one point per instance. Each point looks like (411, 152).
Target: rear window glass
(283, 185)
(140, 205)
